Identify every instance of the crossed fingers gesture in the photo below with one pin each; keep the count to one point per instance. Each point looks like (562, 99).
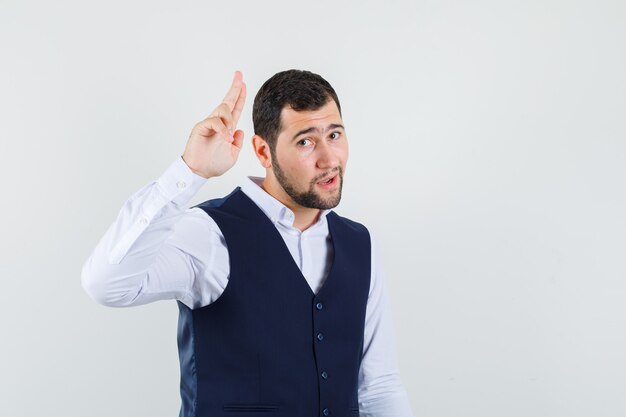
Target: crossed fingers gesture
(215, 142)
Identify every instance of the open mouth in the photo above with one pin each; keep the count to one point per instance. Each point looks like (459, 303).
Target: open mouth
(329, 182)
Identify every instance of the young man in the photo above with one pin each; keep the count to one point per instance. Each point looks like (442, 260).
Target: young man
(282, 303)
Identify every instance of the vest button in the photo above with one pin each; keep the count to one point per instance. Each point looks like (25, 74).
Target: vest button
(325, 375)
(320, 336)
(326, 411)
(319, 306)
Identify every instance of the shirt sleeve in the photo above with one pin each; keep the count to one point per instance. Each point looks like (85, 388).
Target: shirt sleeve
(142, 257)
(381, 392)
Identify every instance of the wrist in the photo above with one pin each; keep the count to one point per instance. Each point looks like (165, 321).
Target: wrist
(195, 171)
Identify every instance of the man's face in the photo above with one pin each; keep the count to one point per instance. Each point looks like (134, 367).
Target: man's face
(311, 155)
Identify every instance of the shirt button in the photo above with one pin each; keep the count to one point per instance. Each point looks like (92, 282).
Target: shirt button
(181, 184)
(320, 336)
(319, 306)
(325, 375)
(326, 411)
(143, 221)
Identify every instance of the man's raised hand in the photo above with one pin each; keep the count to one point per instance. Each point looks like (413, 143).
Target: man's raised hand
(215, 142)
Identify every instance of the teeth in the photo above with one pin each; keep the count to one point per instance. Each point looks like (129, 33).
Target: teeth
(327, 181)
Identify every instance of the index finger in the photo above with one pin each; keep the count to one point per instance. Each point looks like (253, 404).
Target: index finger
(235, 89)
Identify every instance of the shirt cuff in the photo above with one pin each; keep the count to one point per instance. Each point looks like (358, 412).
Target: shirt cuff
(179, 183)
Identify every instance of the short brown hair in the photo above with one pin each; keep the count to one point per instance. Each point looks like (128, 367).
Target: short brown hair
(299, 89)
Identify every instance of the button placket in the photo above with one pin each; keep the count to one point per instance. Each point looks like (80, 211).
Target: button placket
(319, 318)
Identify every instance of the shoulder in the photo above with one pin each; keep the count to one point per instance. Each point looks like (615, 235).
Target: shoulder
(349, 224)
(216, 203)
(359, 228)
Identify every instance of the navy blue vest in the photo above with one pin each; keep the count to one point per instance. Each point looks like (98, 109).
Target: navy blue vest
(268, 345)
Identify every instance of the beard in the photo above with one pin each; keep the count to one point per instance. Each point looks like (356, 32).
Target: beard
(309, 198)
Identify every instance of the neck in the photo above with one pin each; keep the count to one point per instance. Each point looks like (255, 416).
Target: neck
(304, 217)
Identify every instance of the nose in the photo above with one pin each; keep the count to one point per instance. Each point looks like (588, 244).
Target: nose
(326, 156)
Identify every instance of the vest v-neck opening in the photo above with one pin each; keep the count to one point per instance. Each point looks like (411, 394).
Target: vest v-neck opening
(268, 223)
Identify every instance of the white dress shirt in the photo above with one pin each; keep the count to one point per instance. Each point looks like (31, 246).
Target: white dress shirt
(159, 249)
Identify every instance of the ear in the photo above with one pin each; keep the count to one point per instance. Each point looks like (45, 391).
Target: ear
(262, 151)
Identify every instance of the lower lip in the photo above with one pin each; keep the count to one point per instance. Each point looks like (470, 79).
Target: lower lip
(332, 184)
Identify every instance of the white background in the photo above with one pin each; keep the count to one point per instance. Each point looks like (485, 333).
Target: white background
(487, 145)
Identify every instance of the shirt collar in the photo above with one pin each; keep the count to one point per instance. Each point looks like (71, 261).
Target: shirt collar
(273, 209)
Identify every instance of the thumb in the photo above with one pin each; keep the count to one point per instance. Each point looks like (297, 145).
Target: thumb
(238, 138)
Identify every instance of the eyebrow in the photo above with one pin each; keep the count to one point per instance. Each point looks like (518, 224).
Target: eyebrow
(315, 129)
